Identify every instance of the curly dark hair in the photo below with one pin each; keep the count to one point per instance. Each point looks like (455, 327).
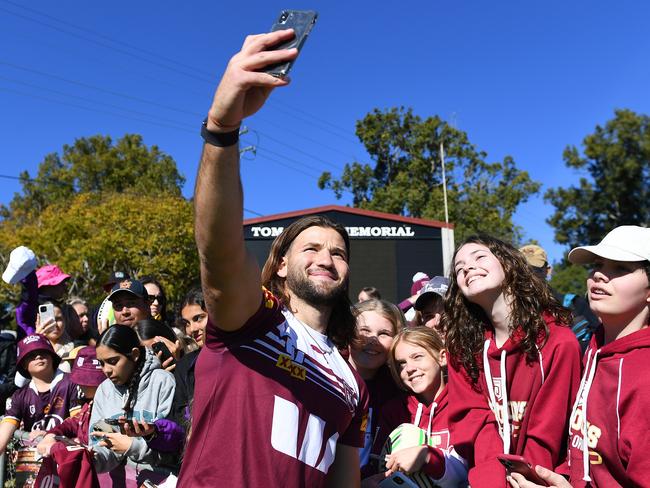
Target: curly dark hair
(465, 322)
(342, 324)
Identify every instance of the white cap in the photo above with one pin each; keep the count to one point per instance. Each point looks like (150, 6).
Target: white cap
(624, 243)
(22, 261)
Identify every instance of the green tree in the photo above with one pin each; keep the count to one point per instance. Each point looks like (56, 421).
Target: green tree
(90, 235)
(92, 165)
(614, 191)
(569, 278)
(405, 177)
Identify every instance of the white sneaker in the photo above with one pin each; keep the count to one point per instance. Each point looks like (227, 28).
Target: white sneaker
(22, 261)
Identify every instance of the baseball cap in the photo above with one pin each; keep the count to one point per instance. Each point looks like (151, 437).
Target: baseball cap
(50, 275)
(135, 287)
(419, 280)
(624, 243)
(22, 261)
(87, 370)
(437, 285)
(535, 255)
(31, 343)
(115, 277)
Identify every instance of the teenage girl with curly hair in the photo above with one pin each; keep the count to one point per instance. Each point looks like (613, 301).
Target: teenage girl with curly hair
(514, 365)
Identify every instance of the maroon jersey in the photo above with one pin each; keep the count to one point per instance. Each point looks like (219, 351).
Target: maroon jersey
(43, 410)
(272, 400)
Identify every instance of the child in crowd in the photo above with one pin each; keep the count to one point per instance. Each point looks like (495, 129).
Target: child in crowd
(88, 375)
(137, 389)
(377, 323)
(157, 336)
(418, 364)
(55, 331)
(609, 427)
(514, 365)
(194, 318)
(48, 398)
(429, 304)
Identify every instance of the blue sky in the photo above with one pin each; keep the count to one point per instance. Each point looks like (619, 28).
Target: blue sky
(521, 78)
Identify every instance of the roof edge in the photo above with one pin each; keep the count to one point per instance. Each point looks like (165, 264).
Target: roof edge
(350, 210)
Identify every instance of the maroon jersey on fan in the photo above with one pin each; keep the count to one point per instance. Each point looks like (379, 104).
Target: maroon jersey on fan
(43, 410)
(272, 400)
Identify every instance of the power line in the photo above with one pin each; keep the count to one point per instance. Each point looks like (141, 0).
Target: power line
(110, 39)
(122, 51)
(140, 100)
(89, 109)
(99, 89)
(209, 79)
(88, 100)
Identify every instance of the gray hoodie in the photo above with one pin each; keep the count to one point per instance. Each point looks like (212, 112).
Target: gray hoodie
(154, 401)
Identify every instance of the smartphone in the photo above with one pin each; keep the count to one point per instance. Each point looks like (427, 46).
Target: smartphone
(107, 426)
(302, 22)
(117, 423)
(46, 312)
(398, 480)
(162, 348)
(517, 464)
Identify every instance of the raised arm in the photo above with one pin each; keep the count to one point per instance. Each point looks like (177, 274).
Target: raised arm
(229, 275)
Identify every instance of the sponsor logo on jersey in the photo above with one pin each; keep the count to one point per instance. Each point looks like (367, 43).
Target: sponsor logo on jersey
(296, 370)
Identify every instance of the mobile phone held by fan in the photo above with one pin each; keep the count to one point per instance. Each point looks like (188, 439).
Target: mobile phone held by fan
(518, 464)
(398, 480)
(45, 312)
(302, 22)
(160, 347)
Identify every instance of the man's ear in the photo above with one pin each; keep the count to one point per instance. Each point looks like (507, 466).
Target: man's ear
(282, 270)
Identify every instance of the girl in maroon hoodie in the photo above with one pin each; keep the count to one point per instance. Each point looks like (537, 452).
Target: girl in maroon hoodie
(609, 441)
(514, 365)
(417, 362)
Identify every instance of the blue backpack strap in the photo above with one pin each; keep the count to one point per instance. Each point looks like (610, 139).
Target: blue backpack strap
(568, 299)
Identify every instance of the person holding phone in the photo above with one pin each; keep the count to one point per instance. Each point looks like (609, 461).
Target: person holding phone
(48, 398)
(136, 389)
(609, 427)
(514, 364)
(270, 380)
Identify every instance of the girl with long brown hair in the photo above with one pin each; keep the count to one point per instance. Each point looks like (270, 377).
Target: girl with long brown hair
(514, 366)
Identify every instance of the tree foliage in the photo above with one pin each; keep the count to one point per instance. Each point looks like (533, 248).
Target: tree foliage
(93, 165)
(91, 235)
(102, 206)
(615, 189)
(405, 177)
(569, 278)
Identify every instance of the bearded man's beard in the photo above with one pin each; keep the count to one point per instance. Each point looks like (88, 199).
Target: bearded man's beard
(316, 294)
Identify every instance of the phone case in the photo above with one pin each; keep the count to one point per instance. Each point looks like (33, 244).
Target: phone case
(398, 480)
(46, 312)
(518, 464)
(302, 22)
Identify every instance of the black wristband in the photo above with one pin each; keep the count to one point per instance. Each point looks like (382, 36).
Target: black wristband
(219, 139)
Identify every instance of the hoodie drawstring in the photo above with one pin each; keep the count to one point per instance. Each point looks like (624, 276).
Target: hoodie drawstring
(505, 423)
(583, 394)
(418, 417)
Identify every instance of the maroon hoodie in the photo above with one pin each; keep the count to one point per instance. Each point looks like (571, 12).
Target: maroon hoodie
(618, 414)
(432, 418)
(538, 398)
